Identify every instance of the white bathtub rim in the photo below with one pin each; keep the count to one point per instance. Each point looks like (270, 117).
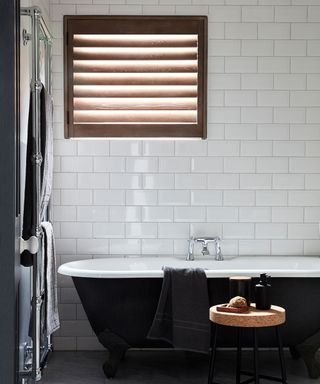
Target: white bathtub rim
(77, 269)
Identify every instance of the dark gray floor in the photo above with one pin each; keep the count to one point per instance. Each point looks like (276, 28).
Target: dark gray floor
(162, 367)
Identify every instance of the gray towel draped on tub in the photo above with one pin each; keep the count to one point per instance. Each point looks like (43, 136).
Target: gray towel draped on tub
(182, 316)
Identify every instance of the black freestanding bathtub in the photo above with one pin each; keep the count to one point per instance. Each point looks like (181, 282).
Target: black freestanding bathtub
(120, 296)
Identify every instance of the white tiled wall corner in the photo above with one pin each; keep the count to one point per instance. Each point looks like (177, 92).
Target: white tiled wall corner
(255, 181)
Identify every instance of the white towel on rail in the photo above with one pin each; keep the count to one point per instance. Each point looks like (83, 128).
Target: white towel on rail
(50, 275)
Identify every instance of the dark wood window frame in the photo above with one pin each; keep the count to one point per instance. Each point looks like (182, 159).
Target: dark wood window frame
(134, 25)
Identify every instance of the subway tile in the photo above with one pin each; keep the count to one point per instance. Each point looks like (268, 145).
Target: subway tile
(287, 247)
(241, 98)
(305, 132)
(305, 31)
(290, 48)
(257, 13)
(206, 198)
(158, 214)
(223, 181)
(108, 230)
(65, 343)
(125, 148)
(304, 198)
(158, 148)
(125, 246)
(313, 48)
(173, 230)
(312, 181)
(304, 165)
(256, 115)
(136, 197)
(191, 9)
(215, 98)
(313, 115)
(273, 98)
(108, 164)
(311, 247)
(191, 148)
(143, 164)
(65, 148)
(305, 98)
(65, 180)
(125, 214)
(222, 214)
(224, 81)
(207, 164)
(205, 229)
(281, 181)
(75, 328)
(93, 181)
(305, 64)
(141, 230)
(288, 148)
(242, 64)
(158, 181)
(74, 230)
(224, 47)
(76, 164)
(174, 164)
(254, 181)
(158, 9)
(223, 115)
(65, 246)
(240, 131)
(271, 231)
(225, 13)
(239, 165)
(216, 30)
(290, 14)
(238, 198)
(256, 81)
(287, 214)
(189, 214)
(190, 181)
(223, 148)
(256, 148)
(67, 311)
(273, 64)
(303, 231)
(93, 246)
(107, 197)
(64, 213)
(313, 81)
(93, 147)
(215, 65)
(254, 214)
(172, 197)
(92, 213)
(238, 231)
(254, 247)
(257, 48)
(311, 215)
(125, 181)
(76, 197)
(274, 31)
(241, 31)
(273, 132)
(157, 247)
(272, 165)
(271, 198)
(69, 296)
(125, 9)
(290, 81)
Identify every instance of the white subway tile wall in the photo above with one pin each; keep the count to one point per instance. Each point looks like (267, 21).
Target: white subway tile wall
(256, 180)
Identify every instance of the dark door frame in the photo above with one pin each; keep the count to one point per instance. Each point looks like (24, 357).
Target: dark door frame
(9, 185)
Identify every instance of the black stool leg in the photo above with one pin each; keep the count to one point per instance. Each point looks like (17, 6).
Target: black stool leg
(281, 357)
(255, 354)
(214, 331)
(238, 372)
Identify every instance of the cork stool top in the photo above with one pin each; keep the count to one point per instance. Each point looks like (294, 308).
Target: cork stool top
(254, 318)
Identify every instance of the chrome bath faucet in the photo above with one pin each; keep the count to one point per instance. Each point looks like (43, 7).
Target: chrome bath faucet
(205, 251)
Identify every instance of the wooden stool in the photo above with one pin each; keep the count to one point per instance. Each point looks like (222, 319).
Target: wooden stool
(253, 319)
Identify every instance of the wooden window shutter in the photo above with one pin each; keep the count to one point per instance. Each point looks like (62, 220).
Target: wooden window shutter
(135, 76)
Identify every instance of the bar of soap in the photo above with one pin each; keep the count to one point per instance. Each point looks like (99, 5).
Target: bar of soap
(238, 302)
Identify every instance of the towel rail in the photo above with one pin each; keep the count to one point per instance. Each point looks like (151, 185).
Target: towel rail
(39, 31)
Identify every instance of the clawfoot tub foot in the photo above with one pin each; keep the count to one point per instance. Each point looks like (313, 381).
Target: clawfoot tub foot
(307, 351)
(117, 348)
